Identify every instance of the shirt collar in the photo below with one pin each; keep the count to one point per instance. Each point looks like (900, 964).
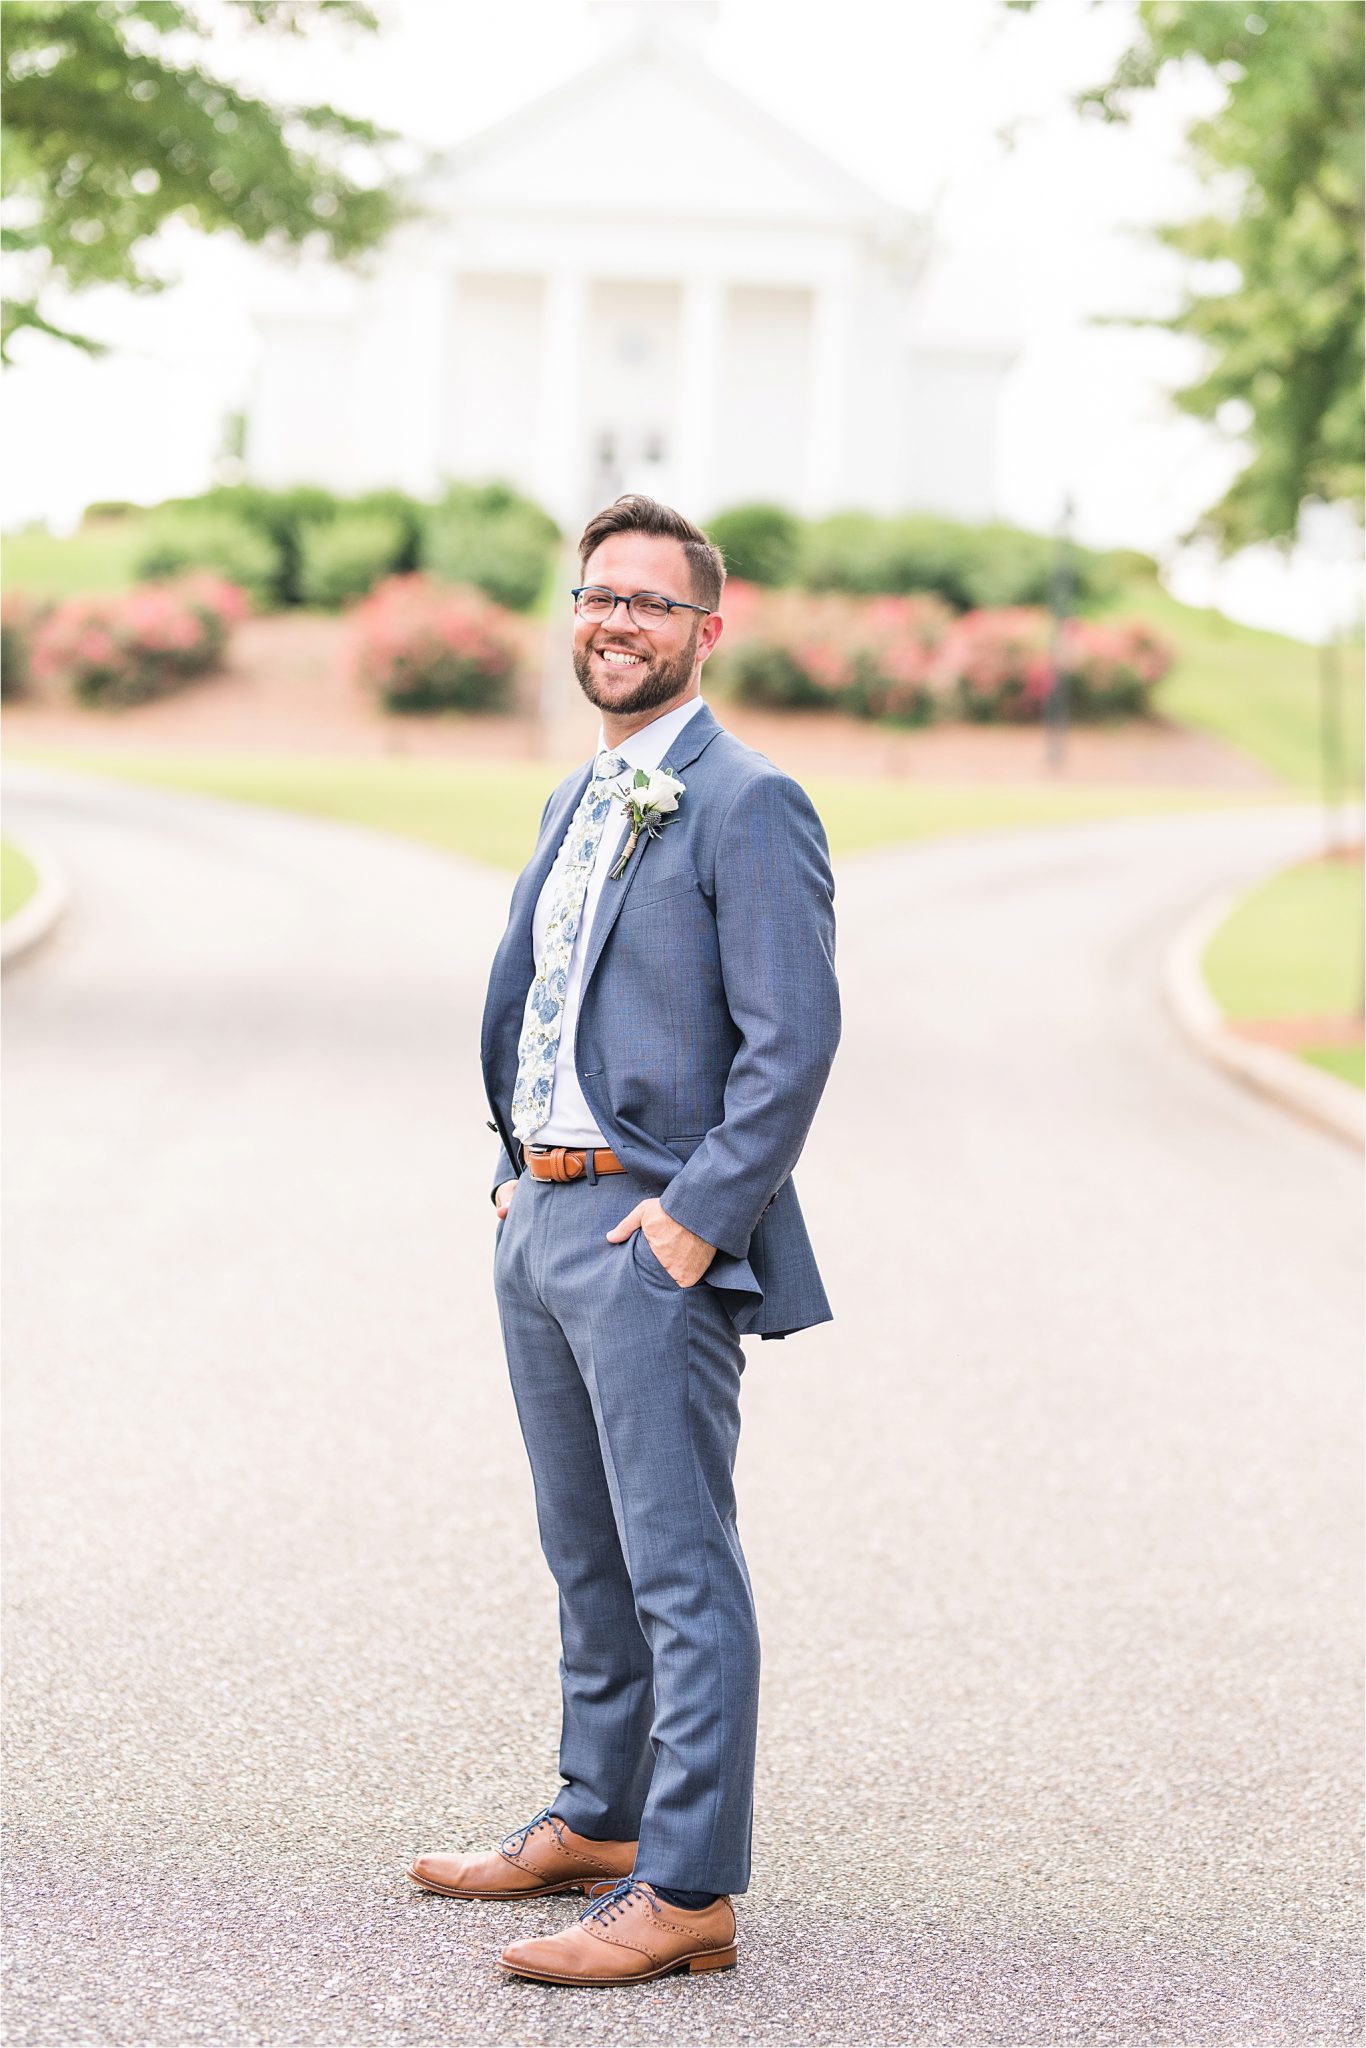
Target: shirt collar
(647, 748)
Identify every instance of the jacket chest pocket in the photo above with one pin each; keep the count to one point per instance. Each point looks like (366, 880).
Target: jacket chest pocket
(669, 897)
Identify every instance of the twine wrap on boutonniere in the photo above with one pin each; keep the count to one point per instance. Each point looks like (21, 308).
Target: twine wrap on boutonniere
(652, 796)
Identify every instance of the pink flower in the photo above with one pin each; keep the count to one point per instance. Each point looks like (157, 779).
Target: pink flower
(741, 606)
(95, 648)
(431, 643)
(135, 644)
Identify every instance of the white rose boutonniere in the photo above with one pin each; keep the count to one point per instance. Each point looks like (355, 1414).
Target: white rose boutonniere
(647, 803)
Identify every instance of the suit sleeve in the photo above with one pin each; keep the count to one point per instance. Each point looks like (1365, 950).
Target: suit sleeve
(504, 1170)
(775, 923)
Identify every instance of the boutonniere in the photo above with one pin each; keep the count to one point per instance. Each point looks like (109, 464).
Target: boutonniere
(652, 795)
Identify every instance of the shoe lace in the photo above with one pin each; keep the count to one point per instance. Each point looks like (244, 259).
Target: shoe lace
(514, 1843)
(619, 1896)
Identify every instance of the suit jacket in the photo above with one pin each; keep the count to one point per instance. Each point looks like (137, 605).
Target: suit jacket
(709, 1013)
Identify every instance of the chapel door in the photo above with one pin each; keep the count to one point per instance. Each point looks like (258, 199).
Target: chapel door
(633, 386)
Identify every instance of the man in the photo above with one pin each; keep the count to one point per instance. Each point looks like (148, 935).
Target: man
(661, 1018)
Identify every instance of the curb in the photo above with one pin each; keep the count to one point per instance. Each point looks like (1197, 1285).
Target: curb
(1318, 1097)
(26, 930)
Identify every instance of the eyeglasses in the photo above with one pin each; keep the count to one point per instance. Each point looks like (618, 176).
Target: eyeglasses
(647, 608)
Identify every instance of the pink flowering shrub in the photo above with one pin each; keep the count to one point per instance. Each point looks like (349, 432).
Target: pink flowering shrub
(998, 665)
(994, 665)
(873, 657)
(19, 620)
(426, 646)
(1113, 664)
(124, 647)
(896, 677)
(910, 661)
(742, 606)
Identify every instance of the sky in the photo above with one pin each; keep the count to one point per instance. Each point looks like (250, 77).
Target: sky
(956, 111)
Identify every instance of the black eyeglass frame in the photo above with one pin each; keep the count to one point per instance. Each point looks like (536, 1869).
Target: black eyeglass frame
(675, 604)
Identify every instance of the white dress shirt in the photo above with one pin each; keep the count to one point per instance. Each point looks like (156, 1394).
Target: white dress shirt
(571, 1120)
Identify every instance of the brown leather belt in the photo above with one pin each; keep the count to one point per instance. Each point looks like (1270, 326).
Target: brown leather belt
(570, 1162)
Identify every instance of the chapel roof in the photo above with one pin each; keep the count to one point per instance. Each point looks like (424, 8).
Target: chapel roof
(651, 129)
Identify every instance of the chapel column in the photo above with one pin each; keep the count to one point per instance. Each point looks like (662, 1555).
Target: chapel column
(561, 482)
(413, 420)
(701, 335)
(825, 469)
(562, 488)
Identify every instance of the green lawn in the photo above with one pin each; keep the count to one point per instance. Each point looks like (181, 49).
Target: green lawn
(490, 812)
(1293, 948)
(1259, 691)
(1348, 1062)
(18, 879)
(97, 557)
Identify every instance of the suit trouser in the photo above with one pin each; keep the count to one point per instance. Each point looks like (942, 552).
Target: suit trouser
(627, 1388)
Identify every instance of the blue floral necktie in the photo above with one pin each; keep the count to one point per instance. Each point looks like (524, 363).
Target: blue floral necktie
(540, 1039)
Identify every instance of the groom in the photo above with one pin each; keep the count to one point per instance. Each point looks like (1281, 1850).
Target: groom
(661, 1018)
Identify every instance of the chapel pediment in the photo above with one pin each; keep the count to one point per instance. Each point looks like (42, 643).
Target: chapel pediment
(655, 132)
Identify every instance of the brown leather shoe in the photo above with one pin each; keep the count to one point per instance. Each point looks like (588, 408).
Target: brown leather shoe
(629, 1935)
(544, 1856)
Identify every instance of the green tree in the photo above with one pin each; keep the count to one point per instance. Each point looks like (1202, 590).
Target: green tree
(114, 123)
(1275, 294)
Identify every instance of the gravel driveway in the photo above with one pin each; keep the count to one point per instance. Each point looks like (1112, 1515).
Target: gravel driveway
(1053, 1532)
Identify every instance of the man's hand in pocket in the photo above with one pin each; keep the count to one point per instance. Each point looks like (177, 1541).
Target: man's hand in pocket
(503, 1196)
(684, 1256)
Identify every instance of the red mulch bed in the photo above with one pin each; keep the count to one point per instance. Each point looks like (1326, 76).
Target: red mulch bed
(1297, 1034)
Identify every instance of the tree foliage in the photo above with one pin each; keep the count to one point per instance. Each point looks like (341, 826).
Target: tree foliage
(1275, 289)
(115, 123)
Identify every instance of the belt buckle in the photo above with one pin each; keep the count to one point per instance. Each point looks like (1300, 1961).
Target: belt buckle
(560, 1170)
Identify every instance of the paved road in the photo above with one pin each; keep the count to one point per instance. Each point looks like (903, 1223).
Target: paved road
(1053, 1531)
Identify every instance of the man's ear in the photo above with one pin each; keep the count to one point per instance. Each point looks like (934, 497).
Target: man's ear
(711, 630)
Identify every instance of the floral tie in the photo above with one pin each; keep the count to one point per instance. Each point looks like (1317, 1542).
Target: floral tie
(540, 1039)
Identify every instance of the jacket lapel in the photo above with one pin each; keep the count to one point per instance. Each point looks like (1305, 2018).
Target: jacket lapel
(696, 736)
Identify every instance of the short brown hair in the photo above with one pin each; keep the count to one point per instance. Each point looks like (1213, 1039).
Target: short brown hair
(635, 513)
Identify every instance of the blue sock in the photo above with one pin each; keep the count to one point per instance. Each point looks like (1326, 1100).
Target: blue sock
(690, 1901)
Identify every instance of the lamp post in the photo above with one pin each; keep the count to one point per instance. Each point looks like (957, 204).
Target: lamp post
(1330, 737)
(1061, 585)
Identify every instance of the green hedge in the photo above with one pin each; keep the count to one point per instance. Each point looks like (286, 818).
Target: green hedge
(289, 521)
(866, 555)
(345, 557)
(309, 546)
(408, 514)
(202, 537)
(489, 536)
(969, 566)
(760, 543)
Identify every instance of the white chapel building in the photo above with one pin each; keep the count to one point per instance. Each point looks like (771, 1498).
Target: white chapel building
(704, 307)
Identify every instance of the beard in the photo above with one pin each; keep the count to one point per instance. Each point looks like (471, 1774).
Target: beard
(652, 684)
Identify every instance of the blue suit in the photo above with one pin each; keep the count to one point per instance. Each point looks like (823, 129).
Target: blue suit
(709, 1017)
